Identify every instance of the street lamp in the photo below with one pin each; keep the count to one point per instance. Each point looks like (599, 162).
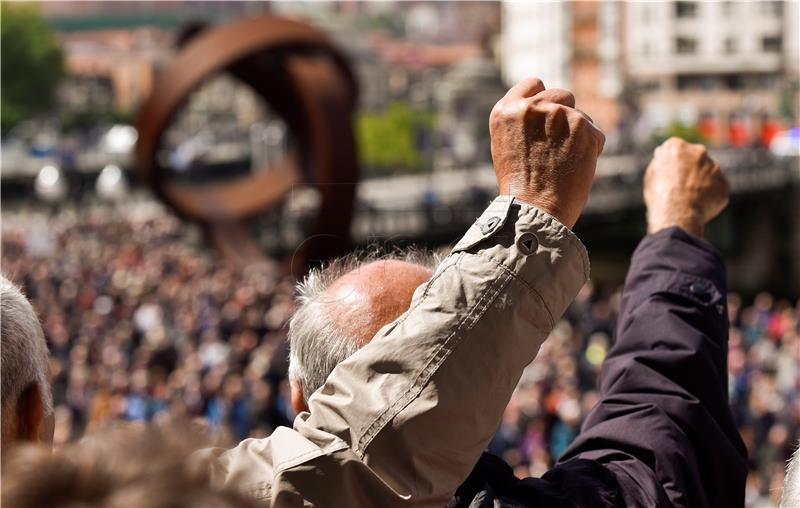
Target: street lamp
(50, 185)
(111, 184)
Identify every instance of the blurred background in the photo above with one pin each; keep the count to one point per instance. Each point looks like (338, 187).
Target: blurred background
(146, 322)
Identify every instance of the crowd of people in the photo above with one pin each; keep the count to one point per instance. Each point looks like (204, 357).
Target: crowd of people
(145, 324)
(559, 389)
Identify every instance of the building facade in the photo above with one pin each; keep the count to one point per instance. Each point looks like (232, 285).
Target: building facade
(573, 45)
(726, 70)
(724, 66)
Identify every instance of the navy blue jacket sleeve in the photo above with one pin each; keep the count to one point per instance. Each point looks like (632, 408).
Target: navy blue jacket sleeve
(663, 427)
(662, 434)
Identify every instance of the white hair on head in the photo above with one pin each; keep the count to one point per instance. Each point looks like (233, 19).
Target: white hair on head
(791, 484)
(24, 359)
(316, 345)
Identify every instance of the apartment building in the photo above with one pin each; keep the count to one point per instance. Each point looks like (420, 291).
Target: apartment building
(717, 62)
(573, 45)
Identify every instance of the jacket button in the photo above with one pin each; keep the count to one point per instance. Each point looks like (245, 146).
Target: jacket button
(700, 291)
(527, 243)
(489, 225)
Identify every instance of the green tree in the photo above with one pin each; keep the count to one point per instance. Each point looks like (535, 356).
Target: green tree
(688, 132)
(387, 139)
(32, 64)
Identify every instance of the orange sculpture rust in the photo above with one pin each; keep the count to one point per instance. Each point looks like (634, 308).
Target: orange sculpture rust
(306, 81)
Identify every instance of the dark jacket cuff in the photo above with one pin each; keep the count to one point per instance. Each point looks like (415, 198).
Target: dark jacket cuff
(675, 261)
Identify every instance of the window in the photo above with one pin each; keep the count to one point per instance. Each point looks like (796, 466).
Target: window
(685, 9)
(730, 45)
(685, 45)
(734, 81)
(772, 8)
(698, 82)
(760, 81)
(727, 8)
(649, 86)
(771, 44)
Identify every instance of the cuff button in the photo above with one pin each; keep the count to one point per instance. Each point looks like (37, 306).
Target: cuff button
(527, 243)
(489, 225)
(700, 291)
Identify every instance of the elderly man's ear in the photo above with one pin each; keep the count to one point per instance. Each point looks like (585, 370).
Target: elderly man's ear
(32, 423)
(298, 402)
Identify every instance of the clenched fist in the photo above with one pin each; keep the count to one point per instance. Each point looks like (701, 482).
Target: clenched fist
(683, 187)
(544, 150)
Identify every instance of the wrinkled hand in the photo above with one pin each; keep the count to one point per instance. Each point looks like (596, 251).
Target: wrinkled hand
(683, 187)
(544, 150)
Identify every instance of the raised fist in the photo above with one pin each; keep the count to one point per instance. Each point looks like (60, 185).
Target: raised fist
(683, 187)
(544, 150)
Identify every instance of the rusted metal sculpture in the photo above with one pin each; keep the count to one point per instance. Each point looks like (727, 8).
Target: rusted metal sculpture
(306, 81)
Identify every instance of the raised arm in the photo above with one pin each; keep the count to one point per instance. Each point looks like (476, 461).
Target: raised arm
(405, 418)
(663, 427)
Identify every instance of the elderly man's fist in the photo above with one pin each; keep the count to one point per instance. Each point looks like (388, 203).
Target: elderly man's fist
(544, 150)
(683, 187)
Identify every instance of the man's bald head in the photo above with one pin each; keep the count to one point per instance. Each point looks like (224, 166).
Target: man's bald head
(342, 306)
(362, 301)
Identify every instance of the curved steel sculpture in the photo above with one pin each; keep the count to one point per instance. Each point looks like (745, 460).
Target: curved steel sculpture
(306, 81)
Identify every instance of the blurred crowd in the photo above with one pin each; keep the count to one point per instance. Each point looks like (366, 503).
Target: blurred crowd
(560, 388)
(145, 324)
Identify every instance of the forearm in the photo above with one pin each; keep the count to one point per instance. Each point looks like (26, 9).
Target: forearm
(421, 401)
(663, 426)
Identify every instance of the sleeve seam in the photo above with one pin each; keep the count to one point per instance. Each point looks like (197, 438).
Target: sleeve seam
(442, 269)
(434, 363)
(525, 283)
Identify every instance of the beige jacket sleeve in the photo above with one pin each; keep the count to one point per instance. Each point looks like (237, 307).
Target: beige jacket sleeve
(404, 420)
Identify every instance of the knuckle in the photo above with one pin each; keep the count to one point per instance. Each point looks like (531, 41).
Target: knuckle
(726, 184)
(498, 107)
(578, 120)
(601, 139)
(559, 110)
(496, 115)
(533, 109)
(529, 112)
(676, 143)
(501, 114)
(535, 82)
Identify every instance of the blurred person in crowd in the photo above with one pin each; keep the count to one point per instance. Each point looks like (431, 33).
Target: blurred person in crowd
(27, 404)
(674, 273)
(402, 421)
(124, 467)
(767, 129)
(738, 135)
(707, 127)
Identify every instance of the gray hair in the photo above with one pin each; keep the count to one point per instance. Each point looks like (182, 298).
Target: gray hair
(316, 345)
(24, 358)
(791, 484)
